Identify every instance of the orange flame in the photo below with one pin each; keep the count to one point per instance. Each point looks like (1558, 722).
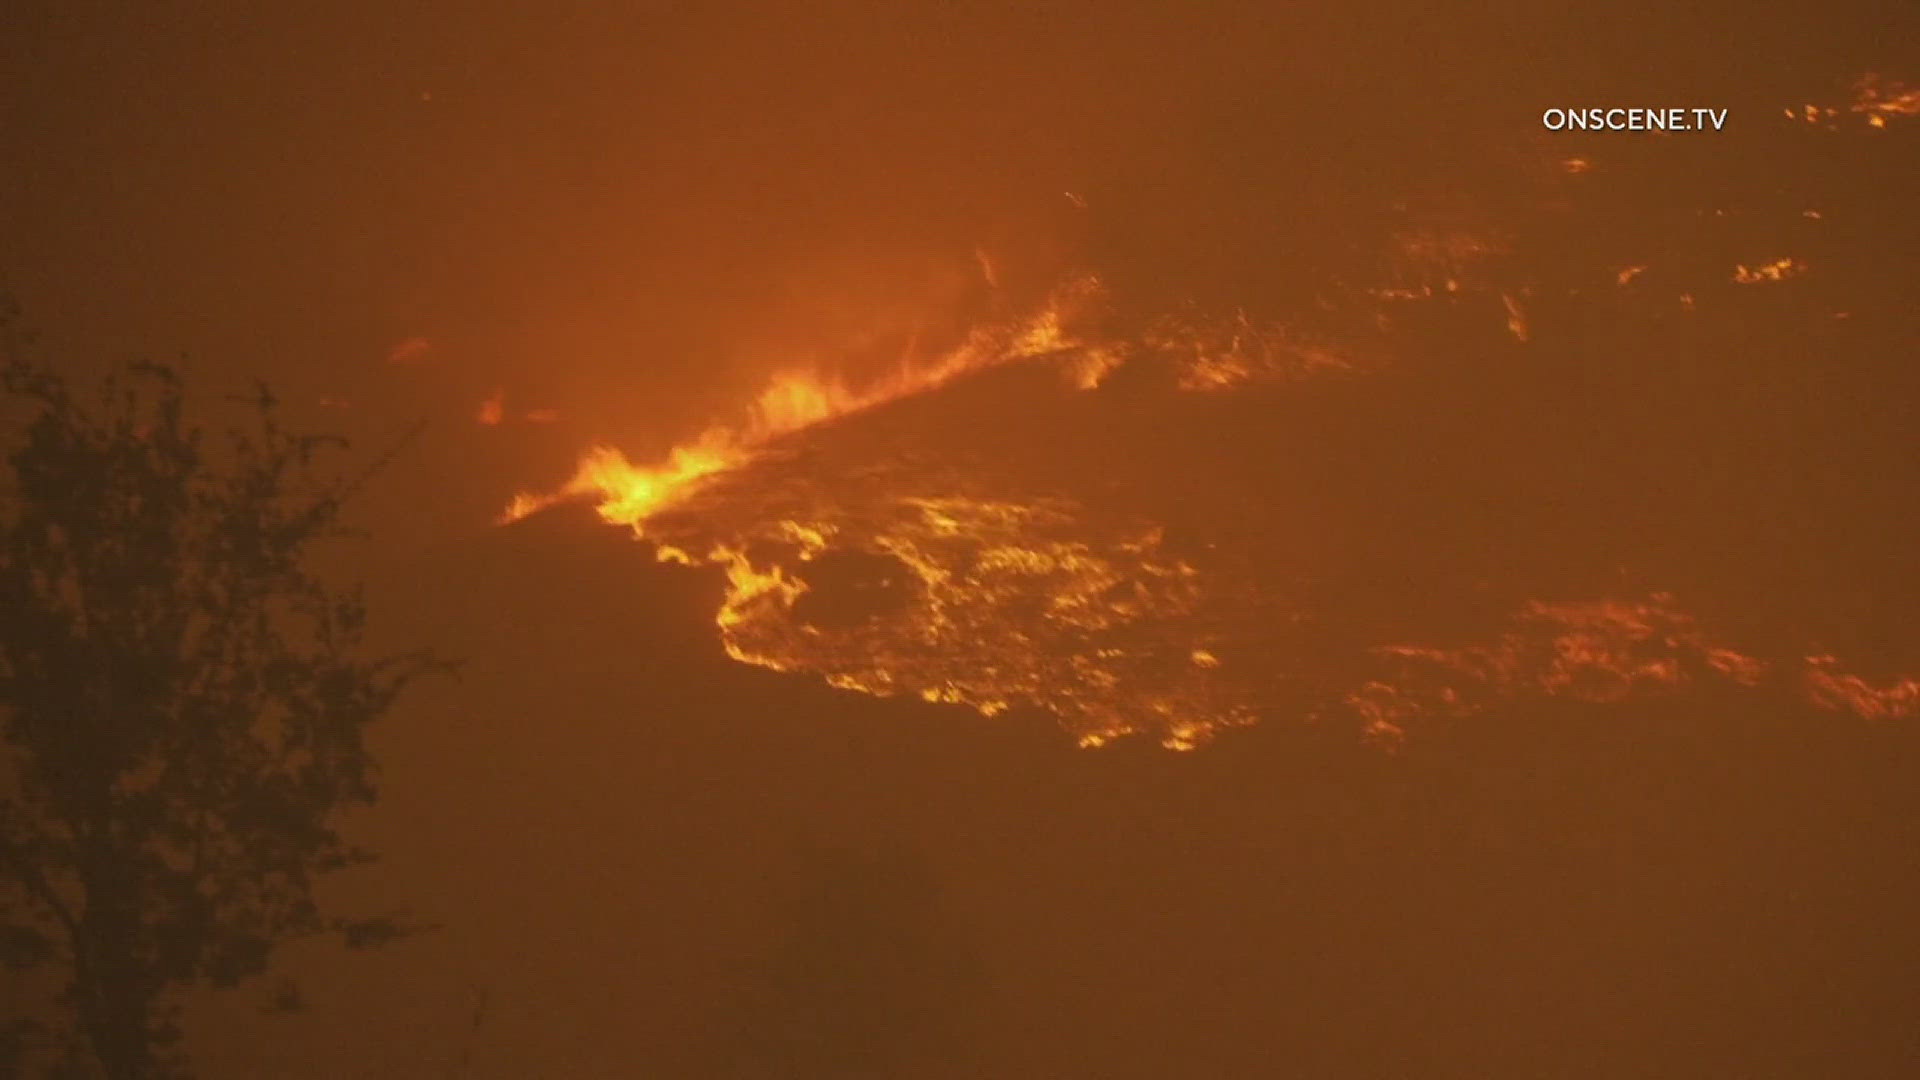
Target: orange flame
(1875, 97)
(628, 494)
(1835, 689)
(1777, 270)
(1879, 98)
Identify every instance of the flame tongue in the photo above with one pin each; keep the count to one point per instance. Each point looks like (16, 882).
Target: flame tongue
(628, 494)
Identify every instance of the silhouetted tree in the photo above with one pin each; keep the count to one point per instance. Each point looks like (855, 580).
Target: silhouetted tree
(182, 703)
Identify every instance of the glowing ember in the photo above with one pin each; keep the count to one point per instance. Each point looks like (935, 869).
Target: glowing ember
(492, 410)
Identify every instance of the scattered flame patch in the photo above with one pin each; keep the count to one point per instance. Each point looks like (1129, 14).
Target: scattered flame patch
(1600, 651)
(1831, 688)
(1210, 354)
(1818, 115)
(1877, 100)
(1778, 270)
(1880, 99)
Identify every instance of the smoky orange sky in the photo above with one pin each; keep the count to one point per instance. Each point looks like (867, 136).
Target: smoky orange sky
(493, 235)
(619, 212)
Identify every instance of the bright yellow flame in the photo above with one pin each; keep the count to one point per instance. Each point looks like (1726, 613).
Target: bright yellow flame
(1777, 270)
(628, 494)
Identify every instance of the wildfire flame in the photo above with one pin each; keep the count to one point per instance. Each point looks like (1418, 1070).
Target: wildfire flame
(1776, 270)
(1876, 98)
(1601, 651)
(1879, 99)
(792, 401)
(965, 583)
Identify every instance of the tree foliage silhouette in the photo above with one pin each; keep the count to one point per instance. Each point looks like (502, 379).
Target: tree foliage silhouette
(183, 706)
